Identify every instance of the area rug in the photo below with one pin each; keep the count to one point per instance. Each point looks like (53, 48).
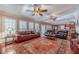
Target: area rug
(41, 46)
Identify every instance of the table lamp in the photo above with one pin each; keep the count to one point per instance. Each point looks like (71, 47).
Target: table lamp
(10, 29)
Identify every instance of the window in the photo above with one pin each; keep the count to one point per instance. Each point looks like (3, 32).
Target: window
(77, 28)
(62, 27)
(37, 27)
(43, 30)
(9, 23)
(0, 25)
(22, 25)
(48, 27)
(31, 26)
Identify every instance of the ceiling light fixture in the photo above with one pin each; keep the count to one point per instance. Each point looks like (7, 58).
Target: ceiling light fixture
(37, 9)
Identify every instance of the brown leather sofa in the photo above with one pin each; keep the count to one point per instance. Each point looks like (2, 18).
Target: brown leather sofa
(26, 35)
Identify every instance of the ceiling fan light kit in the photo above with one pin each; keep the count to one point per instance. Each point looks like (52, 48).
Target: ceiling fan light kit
(37, 10)
(37, 14)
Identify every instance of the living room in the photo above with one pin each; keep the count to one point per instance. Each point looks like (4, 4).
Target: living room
(36, 29)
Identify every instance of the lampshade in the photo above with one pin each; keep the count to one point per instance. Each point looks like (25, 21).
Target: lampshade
(10, 29)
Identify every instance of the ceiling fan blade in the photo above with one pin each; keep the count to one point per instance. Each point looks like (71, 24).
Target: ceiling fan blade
(37, 5)
(29, 11)
(44, 10)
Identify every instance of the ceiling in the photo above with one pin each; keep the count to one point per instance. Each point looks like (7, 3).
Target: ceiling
(63, 12)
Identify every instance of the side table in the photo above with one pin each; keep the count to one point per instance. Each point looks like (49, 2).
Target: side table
(9, 39)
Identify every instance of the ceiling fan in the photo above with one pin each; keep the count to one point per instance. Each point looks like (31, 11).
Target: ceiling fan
(52, 17)
(37, 9)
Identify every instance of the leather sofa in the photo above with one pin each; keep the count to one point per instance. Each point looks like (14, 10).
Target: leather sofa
(26, 35)
(62, 34)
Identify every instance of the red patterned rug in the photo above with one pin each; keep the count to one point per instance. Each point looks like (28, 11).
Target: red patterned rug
(40, 46)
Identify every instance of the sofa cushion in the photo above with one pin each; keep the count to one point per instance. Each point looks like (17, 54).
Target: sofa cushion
(25, 32)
